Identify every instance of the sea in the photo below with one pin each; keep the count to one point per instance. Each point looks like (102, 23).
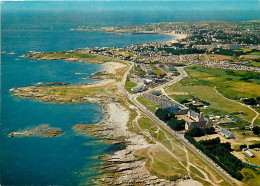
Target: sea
(40, 26)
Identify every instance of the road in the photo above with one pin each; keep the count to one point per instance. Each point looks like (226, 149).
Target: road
(180, 137)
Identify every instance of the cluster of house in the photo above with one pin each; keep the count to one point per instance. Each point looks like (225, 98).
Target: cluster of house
(222, 119)
(150, 79)
(224, 64)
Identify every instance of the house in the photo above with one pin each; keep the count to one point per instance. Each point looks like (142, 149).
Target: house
(170, 67)
(197, 120)
(227, 133)
(249, 154)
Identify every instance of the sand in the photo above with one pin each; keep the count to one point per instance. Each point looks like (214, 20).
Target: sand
(118, 117)
(112, 67)
(176, 37)
(100, 83)
(189, 182)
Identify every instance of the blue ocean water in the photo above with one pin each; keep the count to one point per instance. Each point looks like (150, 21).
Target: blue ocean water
(44, 26)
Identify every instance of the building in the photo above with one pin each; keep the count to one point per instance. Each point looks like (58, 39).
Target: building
(147, 69)
(138, 88)
(233, 47)
(249, 154)
(227, 133)
(197, 120)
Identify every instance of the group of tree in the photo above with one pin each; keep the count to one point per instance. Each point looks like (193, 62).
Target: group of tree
(252, 101)
(243, 147)
(219, 153)
(257, 145)
(229, 52)
(171, 120)
(177, 125)
(256, 130)
(243, 75)
(193, 107)
(183, 51)
(197, 131)
(254, 146)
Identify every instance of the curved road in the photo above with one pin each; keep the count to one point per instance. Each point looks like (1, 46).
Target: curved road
(180, 137)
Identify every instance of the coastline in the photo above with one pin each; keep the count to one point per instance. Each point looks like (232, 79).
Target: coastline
(135, 147)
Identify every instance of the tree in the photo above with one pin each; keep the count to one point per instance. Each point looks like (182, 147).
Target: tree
(256, 130)
(209, 130)
(242, 147)
(177, 125)
(250, 101)
(258, 100)
(196, 132)
(164, 115)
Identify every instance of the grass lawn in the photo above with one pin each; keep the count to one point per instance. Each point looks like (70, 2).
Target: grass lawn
(129, 85)
(234, 84)
(220, 57)
(251, 177)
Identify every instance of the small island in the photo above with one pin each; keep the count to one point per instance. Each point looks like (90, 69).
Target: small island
(39, 131)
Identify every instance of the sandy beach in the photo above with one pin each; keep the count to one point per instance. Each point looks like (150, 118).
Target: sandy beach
(112, 67)
(175, 37)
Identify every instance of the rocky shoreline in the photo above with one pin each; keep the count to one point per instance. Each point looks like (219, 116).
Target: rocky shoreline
(124, 166)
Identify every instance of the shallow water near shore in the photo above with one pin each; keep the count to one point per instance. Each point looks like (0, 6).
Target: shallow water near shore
(68, 159)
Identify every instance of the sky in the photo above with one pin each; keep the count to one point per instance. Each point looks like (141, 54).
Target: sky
(127, 0)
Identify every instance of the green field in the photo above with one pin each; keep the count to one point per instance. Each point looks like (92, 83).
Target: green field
(129, 85)
(201, 84)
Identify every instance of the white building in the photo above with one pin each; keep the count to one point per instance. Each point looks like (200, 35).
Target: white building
(249, 154)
